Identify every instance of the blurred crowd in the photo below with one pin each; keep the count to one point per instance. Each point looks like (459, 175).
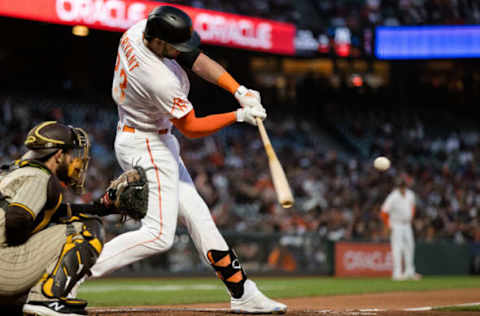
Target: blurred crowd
(364, 13)
(338, 192)
(279, 10)
(355, 14)
(439, 159)
(21, 113)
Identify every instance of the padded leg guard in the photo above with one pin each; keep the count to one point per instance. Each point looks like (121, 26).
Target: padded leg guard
(229, 270)
(78, 255)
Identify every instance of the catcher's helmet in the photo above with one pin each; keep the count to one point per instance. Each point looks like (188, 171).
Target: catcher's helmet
(173, 26)
(48, 137)
(53, 135)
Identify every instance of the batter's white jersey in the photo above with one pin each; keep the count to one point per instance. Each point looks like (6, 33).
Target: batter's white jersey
(399, 207)
(148, 90)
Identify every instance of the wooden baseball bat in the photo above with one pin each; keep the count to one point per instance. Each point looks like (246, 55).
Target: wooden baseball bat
(282, 188)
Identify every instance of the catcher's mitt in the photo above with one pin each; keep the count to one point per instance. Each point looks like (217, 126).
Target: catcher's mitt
(128, 194)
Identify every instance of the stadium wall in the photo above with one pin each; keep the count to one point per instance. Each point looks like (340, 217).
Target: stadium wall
(307, 254)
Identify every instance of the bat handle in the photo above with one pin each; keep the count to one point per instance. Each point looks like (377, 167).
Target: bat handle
(263, 133)
(265, 139)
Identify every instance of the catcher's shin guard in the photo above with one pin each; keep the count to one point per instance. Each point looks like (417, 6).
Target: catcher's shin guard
(78, 255)
(229, 270)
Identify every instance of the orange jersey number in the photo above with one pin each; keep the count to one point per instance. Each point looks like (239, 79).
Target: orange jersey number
(123, 84)
(119, 91)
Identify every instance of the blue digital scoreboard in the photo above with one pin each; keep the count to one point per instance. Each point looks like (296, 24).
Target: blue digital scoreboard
(427, 42)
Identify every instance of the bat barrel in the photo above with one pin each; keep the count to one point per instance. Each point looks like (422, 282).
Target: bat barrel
(287, 204)
(282, 188)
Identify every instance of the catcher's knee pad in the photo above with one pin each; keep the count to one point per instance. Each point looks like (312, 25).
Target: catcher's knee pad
(229, 270)
(79, 254)
(93, 228)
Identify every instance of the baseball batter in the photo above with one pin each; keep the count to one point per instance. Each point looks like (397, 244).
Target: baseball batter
(37, 260)
(151, 90)
(397, 213)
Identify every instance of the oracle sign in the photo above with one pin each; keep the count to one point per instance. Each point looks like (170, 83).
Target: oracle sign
(215, 28)
(241, 32)
(362, 259)
(110, 13)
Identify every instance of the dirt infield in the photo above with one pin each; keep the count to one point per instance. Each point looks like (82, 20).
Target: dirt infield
(380, 304)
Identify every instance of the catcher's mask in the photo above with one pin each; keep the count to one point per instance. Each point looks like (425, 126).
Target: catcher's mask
(45, 139)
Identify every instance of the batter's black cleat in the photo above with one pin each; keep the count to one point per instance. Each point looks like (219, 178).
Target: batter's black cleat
(59, 307)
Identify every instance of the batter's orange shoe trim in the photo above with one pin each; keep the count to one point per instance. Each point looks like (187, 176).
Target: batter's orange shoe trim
(210, 258)
(237, 277)
(224, 262)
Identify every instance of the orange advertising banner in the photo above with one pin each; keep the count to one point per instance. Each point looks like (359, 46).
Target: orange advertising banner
(215, 28)
(363, 259)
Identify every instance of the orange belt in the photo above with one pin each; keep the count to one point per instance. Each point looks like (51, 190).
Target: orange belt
(129, 129)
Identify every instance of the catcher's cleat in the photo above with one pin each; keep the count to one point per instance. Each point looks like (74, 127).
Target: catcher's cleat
(59, 307)
(254, 301)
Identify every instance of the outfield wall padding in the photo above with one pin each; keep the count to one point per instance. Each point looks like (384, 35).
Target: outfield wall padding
(370, 259)
(442, 258)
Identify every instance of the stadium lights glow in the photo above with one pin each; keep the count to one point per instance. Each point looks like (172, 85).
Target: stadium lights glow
(80, 30)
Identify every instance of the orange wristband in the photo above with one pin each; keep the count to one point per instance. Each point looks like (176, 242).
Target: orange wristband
(227, 82)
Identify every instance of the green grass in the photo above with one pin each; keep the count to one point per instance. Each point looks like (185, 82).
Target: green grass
(467, 308)
(118, 292)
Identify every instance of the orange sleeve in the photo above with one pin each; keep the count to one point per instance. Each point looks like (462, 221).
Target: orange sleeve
(195, 127)
(385, 218)
(227, 82)
(413, 211)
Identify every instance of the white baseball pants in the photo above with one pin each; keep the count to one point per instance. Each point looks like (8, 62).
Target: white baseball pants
(403, 247)
(172, 194)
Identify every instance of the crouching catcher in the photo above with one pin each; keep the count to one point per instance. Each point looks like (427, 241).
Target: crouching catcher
(46, 245)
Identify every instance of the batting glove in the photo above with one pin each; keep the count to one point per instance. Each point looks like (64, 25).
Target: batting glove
(247, 97)
(250, 114)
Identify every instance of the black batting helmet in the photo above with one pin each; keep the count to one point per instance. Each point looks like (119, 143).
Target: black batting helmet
(173, 26)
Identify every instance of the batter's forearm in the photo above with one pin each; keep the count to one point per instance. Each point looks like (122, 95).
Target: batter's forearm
(195, 127)
(213, 72)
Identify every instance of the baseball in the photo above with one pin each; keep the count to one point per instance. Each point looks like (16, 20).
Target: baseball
(381, 163)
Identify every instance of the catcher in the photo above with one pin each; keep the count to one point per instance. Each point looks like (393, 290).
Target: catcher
(46, 246)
